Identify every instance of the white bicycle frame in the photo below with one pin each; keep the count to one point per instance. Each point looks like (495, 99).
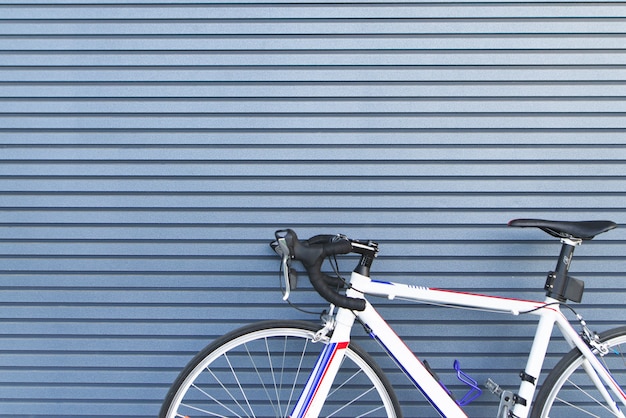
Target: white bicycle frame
(312, 398)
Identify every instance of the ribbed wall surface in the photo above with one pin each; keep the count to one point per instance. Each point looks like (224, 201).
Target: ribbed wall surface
(149, 150)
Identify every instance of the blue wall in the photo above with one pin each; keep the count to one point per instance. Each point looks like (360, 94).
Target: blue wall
(149, 151)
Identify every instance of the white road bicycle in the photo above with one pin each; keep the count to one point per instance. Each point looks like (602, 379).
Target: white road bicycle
(298, 369)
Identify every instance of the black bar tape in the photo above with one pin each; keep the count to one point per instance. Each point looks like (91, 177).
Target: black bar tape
(311, 254)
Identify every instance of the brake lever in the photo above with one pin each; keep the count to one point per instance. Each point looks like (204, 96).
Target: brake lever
(290, 283)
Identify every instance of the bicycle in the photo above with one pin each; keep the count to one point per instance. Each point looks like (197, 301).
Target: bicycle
(299, 369)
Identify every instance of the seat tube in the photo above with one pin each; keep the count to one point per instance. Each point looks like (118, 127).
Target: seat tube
(537, 355)
(323, 374)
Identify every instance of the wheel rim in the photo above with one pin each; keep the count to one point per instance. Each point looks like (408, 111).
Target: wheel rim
(261, 374)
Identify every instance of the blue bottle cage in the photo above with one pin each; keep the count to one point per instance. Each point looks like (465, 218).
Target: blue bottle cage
(474, 391)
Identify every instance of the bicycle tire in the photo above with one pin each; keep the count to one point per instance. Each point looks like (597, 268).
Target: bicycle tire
(259, 370)
(568, 391)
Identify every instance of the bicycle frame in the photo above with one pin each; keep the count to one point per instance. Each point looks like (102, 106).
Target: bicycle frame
(320, 380)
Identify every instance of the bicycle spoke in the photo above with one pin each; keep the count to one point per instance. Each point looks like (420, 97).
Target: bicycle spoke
(205, 412)
(351, 402)
(215, 400)
(577, 407)
(243, 393)
(344, 382)
(370, 412)
(296, 379)
(272, 373)
(230, 394)
(589, 396)
(258, 374)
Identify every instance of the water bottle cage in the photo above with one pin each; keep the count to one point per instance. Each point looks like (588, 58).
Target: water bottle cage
(474, 391)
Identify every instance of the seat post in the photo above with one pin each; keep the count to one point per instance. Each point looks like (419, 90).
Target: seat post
(559, 285)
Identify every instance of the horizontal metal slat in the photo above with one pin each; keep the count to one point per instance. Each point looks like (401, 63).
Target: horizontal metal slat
(204, 107)
(23, 190)
(318, 58)
(323, 153)
(415, 88)
(200, 44)
(310, 11)
(443, 215)
(458, 26)
(319, 74)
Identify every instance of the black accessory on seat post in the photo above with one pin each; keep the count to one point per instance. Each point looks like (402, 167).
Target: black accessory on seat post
(559, 285)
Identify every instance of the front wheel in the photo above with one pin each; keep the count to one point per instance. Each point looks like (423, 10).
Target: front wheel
(569, 392)
(260, 370)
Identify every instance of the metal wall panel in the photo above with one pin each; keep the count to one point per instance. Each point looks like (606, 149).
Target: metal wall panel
(149, 150)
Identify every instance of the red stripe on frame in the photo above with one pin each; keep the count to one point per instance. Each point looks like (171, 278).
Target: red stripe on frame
(338, 346)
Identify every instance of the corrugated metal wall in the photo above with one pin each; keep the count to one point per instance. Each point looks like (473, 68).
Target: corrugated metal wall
(149, 150)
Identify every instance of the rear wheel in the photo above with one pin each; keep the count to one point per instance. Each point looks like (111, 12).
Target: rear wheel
(569, 392)
(260, 370)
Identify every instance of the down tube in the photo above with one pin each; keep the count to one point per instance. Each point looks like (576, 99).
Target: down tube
(410, 365)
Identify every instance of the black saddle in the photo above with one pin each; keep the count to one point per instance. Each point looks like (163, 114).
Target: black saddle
(584, 230)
